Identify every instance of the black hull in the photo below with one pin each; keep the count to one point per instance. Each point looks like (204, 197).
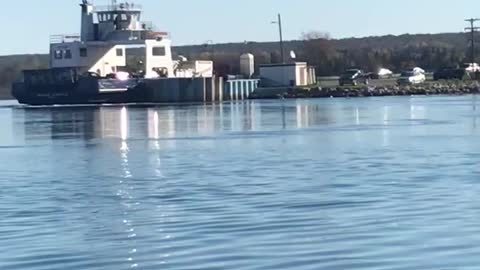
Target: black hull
(90, 91)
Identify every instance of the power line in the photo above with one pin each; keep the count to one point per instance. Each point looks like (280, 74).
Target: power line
(472, 29)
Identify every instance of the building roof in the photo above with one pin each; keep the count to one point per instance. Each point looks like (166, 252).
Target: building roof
(284, 64)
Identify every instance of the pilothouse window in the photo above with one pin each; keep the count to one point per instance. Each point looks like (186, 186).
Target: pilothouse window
(158, 51)
(58, 54)
(68, 54)
(83, 52)
(119, 52)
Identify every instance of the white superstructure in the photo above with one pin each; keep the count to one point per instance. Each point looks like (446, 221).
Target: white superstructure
(106, 33)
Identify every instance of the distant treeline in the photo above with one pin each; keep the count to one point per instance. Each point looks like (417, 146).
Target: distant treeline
(329, 56)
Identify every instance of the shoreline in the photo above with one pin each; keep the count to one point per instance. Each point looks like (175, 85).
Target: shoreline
(426, 89)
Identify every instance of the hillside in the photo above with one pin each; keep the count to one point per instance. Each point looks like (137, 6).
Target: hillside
(330, 56)
(447, 40)
(11, 66)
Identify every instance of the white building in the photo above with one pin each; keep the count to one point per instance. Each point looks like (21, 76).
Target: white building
(106, 33)
(289, 74)
(196, 69)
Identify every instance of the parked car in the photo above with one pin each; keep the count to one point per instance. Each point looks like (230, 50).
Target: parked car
(418, 70)
(414, 76)
(382, 73)
(471, 67)
(353, 77)
(451, 73)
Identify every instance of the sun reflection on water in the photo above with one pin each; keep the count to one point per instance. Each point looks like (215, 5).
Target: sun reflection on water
(126, 189)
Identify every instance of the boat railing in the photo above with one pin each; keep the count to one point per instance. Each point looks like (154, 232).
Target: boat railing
(118, 7)
(149, 25)
(64, 38)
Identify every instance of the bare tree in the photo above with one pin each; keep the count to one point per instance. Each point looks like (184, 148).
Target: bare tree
(318, 50)
(315, 35)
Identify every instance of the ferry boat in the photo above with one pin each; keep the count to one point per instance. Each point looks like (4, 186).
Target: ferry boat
(91, 67)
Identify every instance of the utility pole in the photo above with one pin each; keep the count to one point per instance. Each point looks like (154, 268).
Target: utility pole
(211, 45)
(472, 29)
(282, 50)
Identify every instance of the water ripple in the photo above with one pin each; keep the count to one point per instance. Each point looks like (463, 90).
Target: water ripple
(377, 184)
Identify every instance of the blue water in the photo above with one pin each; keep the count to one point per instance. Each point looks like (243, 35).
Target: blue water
(368, 183)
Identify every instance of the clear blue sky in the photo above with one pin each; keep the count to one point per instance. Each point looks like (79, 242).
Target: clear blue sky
(27, 24)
